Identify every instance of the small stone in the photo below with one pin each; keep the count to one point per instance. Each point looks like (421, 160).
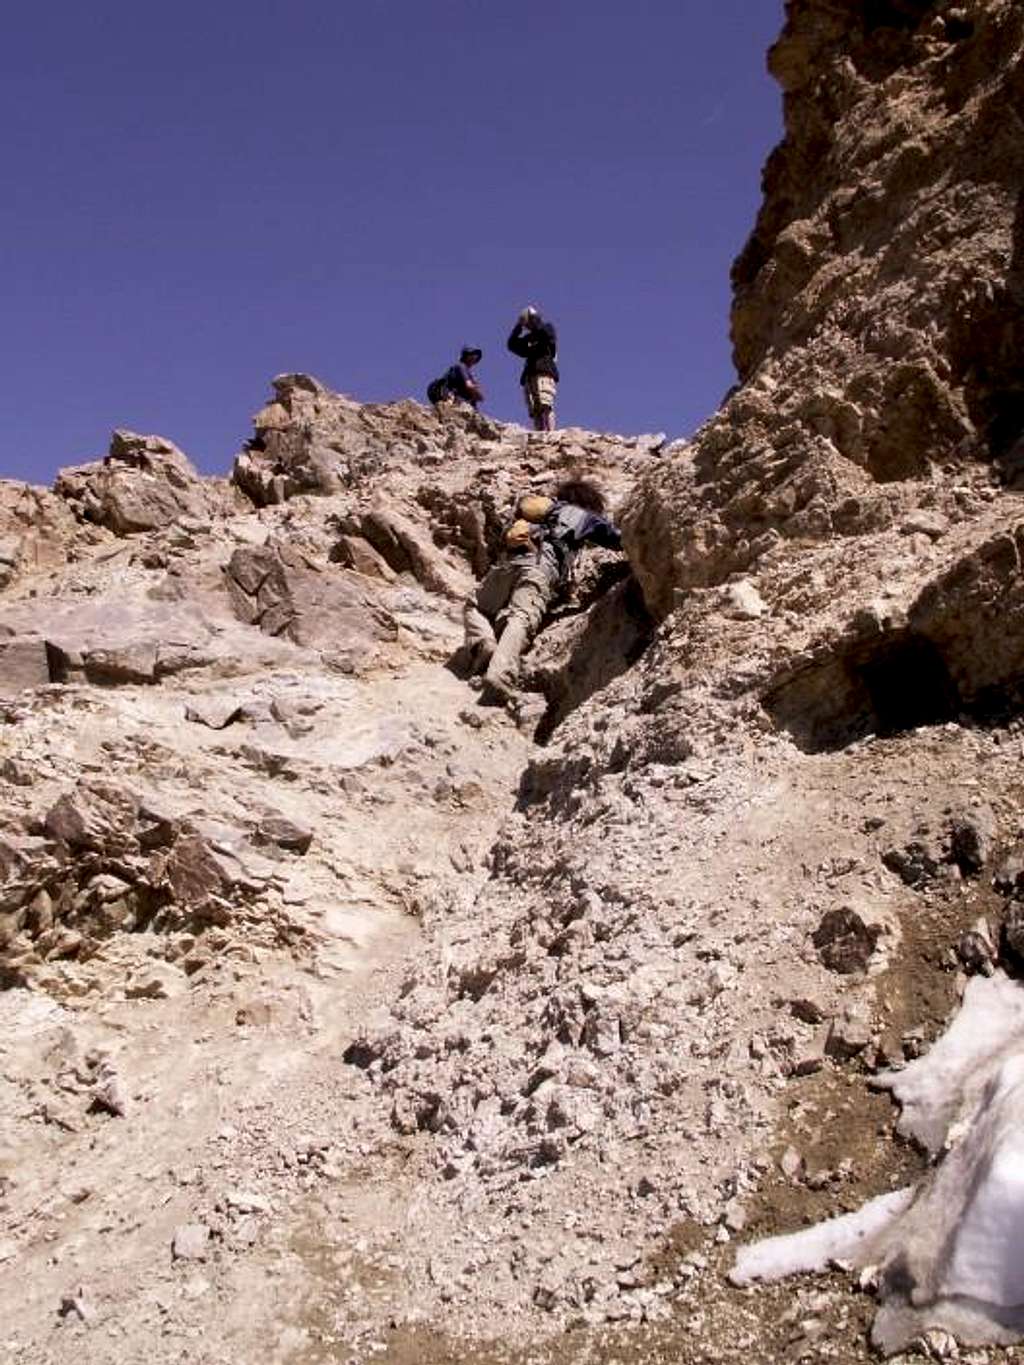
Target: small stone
(545, 1296)
(808, 1011)
(850, 1031)
(156, 981)
(283, 833)
(938, 1344)
(19, 774)
(971, 837)
(743, 602)
(923, 522)
(867, 1280)
(216, 713)
(111, 1096)
(78, 1306)
(735, 1216)
(809, 1054)
(602, 1033)
(976, 949)
(191, 1242)
(915, 864)
(243, 1201)
(913, 1045)
(461, 858)
(791, 1163)
(844, 941)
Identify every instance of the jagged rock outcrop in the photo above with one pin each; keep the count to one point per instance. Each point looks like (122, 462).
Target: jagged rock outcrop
(101, 861)
(35, 527)
(156, 583)
(142, 484)
(309, 440)
(402, 546)
(878, 309)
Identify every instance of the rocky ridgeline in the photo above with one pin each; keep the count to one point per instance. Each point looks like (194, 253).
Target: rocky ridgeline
(647, 956)
(339, 551)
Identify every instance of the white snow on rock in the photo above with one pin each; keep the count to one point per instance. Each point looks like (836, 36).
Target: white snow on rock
(816, 1248)
(951, 1254)
(945, 1084)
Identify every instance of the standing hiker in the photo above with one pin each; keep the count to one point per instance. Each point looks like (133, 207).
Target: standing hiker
(457, 385)
(540, 550)
(536, 342)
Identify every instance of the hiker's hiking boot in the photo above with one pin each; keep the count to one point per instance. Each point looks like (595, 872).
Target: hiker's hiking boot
(498, 694)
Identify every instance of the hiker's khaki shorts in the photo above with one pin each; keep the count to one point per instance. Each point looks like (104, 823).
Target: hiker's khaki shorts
(539, 392)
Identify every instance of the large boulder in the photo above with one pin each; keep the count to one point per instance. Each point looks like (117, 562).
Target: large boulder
(23, 663)
(404, 547)
(287, 594)
(143, 484)
(106, 640)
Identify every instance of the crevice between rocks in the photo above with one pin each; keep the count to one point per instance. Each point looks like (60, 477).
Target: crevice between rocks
(585, 650)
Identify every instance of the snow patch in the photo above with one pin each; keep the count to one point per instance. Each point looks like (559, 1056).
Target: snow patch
(951, 1253)
(934, 1090)
(814, 1249)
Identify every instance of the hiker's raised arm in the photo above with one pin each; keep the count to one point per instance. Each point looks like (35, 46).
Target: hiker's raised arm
(600, 531)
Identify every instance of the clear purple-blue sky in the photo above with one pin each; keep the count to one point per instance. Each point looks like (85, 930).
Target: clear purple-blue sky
(199, 196)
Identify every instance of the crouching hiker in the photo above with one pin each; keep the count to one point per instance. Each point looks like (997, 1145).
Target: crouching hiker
(540, 550)
(457, 385)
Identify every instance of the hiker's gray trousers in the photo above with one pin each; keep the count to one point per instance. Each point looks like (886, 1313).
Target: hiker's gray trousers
(505, 613)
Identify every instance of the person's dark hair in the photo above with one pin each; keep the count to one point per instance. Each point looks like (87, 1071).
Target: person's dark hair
(582, 493)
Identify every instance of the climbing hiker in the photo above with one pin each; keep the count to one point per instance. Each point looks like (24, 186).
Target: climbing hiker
(540, 550)
(457, 385)
(536, 342)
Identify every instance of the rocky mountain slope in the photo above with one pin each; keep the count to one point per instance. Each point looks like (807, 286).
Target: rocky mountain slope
(348, 1018)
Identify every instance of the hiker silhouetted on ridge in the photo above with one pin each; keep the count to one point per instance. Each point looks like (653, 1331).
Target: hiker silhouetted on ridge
(537, 343)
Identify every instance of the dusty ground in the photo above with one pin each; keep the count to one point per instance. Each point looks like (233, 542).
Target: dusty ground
(530, 1028)
(243, 1116)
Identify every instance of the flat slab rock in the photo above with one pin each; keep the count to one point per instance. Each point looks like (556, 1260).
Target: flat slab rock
(191, 1242)
(23, 664)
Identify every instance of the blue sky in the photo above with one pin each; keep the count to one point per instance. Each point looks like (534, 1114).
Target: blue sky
(199, 196)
